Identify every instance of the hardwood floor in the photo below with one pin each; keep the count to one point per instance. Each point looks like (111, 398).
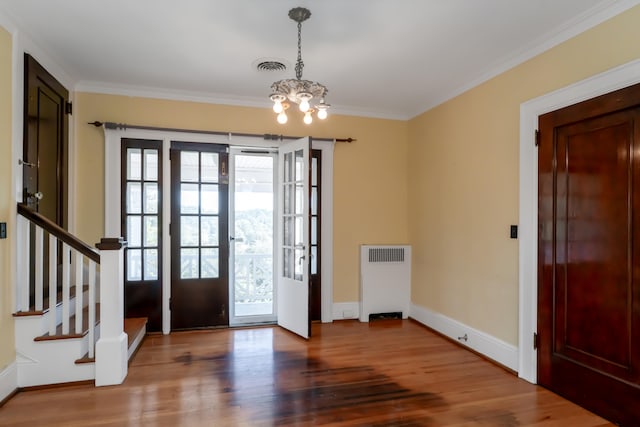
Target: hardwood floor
(386, 373)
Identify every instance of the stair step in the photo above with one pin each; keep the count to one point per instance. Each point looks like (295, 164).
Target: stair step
(45, 303)
(85, 327)
(132, 327)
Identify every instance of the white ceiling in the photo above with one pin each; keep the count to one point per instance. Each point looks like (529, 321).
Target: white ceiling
(379, 58)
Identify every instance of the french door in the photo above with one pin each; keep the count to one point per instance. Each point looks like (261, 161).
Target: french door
(251, 224)
(293, 237)
(199, 235)
(141, 225)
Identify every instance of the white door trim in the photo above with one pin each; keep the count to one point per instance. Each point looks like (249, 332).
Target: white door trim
(112, 200)
(608, 81)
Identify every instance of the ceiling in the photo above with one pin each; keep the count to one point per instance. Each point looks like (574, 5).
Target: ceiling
(379, 58)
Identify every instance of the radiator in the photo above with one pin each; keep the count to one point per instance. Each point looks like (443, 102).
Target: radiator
(385, 280)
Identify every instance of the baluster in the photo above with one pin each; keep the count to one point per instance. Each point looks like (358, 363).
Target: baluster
(92, 307)
(66, 294)
(39, 268)
(53, 283)
(22, 288)
(78, 261)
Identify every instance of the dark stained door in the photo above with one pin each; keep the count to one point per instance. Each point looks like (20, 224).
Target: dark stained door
(142, 228)
(199, 235)
(45, 143)
(589, 254)
(315, 212)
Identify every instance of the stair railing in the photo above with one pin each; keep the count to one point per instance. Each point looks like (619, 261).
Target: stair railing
(48, 281)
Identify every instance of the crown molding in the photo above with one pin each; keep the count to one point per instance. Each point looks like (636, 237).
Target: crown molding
(213, 98)
(581, 23)
(24, 42)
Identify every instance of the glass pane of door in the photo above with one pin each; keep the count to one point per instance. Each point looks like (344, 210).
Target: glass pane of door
(252, 237)
(199, 215)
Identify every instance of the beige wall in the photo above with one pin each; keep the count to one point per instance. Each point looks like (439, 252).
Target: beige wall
(370, 193)
(7, 346)
(463, 179)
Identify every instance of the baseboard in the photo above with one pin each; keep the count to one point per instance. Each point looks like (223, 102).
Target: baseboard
(8, 382)
(481, 342)
(346, 310)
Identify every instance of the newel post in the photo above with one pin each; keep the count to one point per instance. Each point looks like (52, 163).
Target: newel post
(111, 348)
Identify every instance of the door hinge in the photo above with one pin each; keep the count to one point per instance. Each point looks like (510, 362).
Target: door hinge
(537, 142)
(169, 229)
(68, 108)
(170, 304)
(535, 340)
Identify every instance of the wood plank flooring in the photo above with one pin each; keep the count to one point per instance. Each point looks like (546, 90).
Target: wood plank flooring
(386, 373)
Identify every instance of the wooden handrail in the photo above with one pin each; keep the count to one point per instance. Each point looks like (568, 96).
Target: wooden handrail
(62, 234)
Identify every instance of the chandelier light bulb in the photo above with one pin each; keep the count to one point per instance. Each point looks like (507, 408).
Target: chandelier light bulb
(277, 106)
(322, 113)
(282, 118)
(304, 105)
(307, 118)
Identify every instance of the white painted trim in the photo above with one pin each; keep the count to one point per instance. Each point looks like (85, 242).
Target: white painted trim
(17, 81)
(611, 80)
(137, 340)
(346, 310)
(7, 23)
(581, 23)
(215, 98)
(8, 380)
(166, 238)
(485, 344)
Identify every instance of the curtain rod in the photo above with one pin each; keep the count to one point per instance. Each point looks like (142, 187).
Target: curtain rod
(266, 136)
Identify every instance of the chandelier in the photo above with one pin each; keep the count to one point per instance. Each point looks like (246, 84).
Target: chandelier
(299, 91)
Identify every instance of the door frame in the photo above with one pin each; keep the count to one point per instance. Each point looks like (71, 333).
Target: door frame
(112, 197)
(234, 320)
(616, 78)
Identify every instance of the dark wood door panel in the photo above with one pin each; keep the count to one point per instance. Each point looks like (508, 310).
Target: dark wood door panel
(594, 242)
(45, 148)
(199, 235)
(589, 254)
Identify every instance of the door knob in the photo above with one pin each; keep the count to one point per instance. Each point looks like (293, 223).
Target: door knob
(37, 195)
(23, 163)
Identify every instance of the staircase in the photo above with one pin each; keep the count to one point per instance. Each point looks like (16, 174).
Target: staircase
(69, 322)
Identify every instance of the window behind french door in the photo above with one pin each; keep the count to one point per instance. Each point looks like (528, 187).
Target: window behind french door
(252, 231)
(141, 225)
(199, 235)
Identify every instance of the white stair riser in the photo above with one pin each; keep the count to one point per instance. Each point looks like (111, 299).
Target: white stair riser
(52, 362)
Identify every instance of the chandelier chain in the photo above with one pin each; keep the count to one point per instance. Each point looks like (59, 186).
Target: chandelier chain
(299, 63)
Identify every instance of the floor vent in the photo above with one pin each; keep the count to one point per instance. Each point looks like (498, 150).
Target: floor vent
(395, 315)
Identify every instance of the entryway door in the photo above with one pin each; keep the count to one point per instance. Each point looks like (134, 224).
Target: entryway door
(589, 254)
(45, 154)
(199, 235)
